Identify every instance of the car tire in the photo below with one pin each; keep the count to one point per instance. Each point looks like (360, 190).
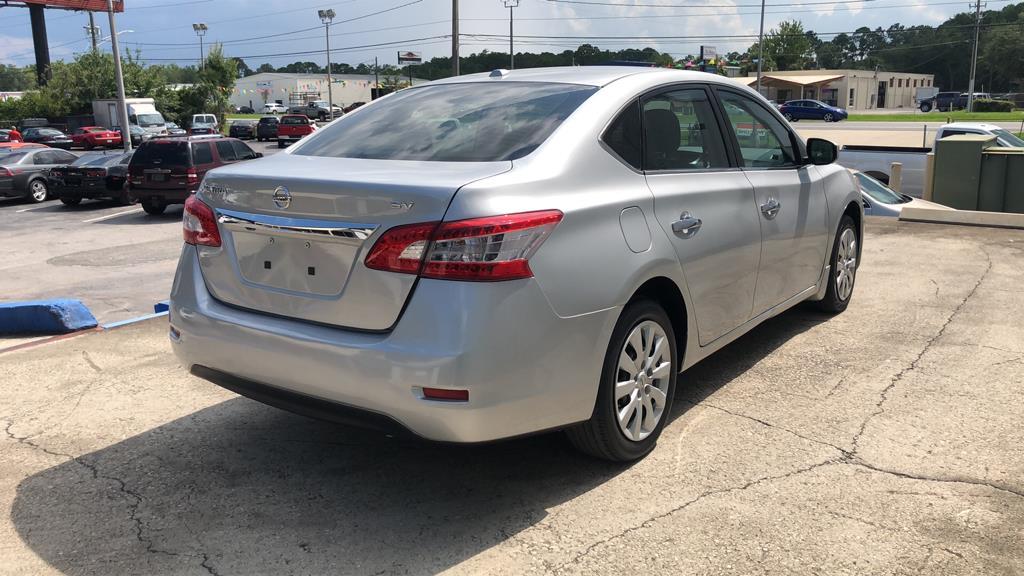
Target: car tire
(644, 328)
(926, 108)
(789, 117)
(153, 207)
(280, 143)
(38, 191)
(828, 117)
(843, 267)
(70, 200)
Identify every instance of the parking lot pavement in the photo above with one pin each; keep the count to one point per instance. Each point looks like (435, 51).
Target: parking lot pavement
(116, 259)
(886, 440)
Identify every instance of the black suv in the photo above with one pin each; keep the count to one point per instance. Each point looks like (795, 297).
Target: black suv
(266, 128)
(943, 102)
(166, 170)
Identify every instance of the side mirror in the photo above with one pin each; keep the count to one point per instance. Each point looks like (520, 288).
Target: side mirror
(821, 152)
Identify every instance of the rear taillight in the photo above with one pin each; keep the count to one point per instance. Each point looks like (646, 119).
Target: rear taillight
(199, 223)
(4, 171)
(96, 172)
(479, 249)
(192, 176)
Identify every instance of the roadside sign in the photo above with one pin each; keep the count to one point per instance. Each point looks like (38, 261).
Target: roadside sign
(410, 58)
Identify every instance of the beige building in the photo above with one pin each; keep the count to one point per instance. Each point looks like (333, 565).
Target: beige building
(850, 89)
(293, 89)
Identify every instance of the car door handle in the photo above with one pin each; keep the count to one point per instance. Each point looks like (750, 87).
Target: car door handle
(770, 209)
(687, 225)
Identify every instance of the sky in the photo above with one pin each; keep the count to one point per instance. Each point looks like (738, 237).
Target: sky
(364, 29)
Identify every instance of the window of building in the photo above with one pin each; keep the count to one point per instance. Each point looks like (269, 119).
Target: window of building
(851, 100)
(899, 84)
(891, 82)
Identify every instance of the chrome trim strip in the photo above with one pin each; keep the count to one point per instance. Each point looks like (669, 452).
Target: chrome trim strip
(320, 229)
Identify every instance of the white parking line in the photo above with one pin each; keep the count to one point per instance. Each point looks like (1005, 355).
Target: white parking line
(30, 209)
(114, 215)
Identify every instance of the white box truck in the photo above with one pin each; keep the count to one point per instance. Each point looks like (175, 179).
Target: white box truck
(142, 112)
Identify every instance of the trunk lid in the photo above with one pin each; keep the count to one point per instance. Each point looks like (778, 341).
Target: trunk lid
(295, 231)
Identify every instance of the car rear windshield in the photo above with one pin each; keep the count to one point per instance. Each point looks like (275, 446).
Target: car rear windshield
(291, 120)
(163, 153)
(49, 132)
(470, 122)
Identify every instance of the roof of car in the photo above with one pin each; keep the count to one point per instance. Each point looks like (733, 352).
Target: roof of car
(584, 75)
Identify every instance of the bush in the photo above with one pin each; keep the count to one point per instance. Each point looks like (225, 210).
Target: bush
(993, 106)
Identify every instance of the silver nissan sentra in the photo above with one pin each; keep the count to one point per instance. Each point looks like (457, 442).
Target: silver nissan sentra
(499, 254)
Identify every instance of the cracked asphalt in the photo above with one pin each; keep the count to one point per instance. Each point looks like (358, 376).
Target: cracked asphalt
(886, 440)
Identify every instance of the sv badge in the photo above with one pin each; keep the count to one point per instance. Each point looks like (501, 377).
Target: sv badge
(402, 205)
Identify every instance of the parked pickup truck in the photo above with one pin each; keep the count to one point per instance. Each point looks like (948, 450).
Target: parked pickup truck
(317, 110)
(876, 161)
(293, 127)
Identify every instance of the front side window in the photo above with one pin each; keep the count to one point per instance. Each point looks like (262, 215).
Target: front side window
(242, 152)
(681, 132)
(226, 151)
(465, 122)
(764, 142)
(878, 191)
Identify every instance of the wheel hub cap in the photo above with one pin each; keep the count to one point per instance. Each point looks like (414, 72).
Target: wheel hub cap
(846, 264)
(641, 389)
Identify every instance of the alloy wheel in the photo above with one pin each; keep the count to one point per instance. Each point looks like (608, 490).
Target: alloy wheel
(38, 189)
(828, 117)
(846, 263)
(642, 383)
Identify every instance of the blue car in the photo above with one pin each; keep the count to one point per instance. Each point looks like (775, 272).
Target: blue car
(811, 110)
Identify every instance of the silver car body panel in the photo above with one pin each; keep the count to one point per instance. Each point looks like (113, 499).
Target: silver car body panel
(529, 351)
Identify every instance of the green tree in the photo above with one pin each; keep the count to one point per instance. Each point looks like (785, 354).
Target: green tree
(15, 79)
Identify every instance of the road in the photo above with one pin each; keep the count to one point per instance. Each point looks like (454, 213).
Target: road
(883, 441)
(882, 133)
(116, 259)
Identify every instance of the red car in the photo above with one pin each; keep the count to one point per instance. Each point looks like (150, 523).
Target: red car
(90, 137)
(292, 128)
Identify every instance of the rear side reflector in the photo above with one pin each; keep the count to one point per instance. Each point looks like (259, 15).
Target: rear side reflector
(199, 223)
(487, 249)
(443, 394)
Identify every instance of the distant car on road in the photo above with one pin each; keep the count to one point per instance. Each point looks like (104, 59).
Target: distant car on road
(244, 110)
(943, 102)
(880, 200)
(1004, 138)
(352, 106)
(245, 129)
(266, 128)
(175, 130)
(292, 128)
(795, 110)
(90, 137)
(274, 108)
(23, 172)
(317, 110)
(48, 136)
(92, 176)
(167, 170)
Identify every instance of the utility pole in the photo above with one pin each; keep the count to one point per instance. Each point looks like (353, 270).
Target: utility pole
(326, 16)
(122, 107)
(511, 5)
(974, 55)
(376, 79)
(93, 31)
(760, 49)
(455, 37)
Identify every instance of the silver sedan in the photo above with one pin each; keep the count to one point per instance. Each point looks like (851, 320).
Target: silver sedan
(498, 254)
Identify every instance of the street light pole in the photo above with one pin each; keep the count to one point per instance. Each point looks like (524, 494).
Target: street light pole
(326, 16)
(93, 31)
(974, 55)
(760, 49)
(511, 5)
(122, 107)
(455, 37)
(200, 29)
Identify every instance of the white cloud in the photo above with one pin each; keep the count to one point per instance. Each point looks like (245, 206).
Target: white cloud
(15, 49)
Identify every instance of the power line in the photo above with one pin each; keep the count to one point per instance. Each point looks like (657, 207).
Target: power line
(307, 52)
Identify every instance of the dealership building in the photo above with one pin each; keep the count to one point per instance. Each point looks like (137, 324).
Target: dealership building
(851, 89)
(293, 89)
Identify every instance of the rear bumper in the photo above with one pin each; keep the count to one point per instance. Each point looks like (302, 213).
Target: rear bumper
(526, 369)
(99, 190)
(168, 195)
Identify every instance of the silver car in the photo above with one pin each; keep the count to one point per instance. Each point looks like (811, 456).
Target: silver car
(498, 254)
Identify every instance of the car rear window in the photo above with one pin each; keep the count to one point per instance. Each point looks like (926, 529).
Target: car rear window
(293, 120)
(162, 152)
(468, 122)
(49, 132)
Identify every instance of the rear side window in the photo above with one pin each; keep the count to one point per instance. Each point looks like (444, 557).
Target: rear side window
(465, 122)
(201, 153)
(623, 135)
(681, 132)
(164, 153)
(226, 151)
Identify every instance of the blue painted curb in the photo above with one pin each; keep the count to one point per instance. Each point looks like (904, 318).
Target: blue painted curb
(162, 306)
(45, 317)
